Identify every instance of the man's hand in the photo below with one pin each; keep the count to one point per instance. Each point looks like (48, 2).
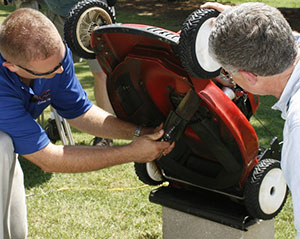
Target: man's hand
(217, 6)
(148, 147)
(80, 158)
(146, 131)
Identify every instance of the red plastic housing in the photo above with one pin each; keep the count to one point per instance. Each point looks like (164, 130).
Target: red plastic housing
(143, 67)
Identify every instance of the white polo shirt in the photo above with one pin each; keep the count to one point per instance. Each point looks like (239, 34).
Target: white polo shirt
(289, 105)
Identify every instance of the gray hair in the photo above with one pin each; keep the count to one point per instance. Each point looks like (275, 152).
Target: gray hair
(27, 35)
(253, 37)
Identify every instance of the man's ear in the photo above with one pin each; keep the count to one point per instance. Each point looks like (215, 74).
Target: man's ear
(252, 78)
(10, 66)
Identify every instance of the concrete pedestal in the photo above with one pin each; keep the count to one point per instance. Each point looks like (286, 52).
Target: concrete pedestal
(180, 225)
(206, 215)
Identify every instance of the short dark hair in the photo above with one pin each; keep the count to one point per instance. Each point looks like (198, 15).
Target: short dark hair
(27, 35)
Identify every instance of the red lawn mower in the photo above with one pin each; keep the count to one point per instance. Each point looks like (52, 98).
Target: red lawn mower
(156, 75)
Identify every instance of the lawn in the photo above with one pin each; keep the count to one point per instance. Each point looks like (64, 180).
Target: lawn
(275, 3)
(113, 203)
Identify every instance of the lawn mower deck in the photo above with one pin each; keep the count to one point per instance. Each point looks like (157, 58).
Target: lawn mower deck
(155, 75)
(148, 82)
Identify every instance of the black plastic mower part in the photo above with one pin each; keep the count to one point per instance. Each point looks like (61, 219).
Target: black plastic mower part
(205, 204)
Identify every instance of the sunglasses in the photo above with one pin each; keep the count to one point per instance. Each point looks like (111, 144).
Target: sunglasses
(49, 72)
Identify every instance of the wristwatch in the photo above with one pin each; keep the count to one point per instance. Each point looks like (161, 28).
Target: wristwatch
(138, 131)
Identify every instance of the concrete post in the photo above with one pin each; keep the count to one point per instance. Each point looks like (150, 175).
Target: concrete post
(180, 225)
(201, 214)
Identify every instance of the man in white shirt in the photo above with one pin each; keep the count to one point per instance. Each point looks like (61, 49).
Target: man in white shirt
(255, 43)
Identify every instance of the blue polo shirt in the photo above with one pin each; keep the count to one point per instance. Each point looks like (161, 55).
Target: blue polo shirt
(18, 111)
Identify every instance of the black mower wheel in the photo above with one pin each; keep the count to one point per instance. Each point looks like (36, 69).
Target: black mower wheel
(148, 173)
(82, 19)
(266, 190)
(193, 44)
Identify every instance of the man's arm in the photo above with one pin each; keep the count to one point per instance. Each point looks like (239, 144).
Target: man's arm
(71, 159)
(101, 123)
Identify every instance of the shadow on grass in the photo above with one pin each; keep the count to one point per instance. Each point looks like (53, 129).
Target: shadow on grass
(5, 10)
(33, 175)
(172, 13)
(87, 82)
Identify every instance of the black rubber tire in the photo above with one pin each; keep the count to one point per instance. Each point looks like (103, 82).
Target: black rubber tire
(252, 190)
(80, 43)
(141, 172)
(187, 42)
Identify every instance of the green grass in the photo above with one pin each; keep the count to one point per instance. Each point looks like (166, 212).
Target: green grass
(113, 203)
(170, 24)
(275, 3)
(110, 203)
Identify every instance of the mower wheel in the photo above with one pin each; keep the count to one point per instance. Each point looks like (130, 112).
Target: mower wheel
(193, 44)
(148, 173)
(83, 18)
(266, 190)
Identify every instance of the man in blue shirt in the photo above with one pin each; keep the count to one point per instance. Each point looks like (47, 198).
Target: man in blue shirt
(57, 11)
(37, 70)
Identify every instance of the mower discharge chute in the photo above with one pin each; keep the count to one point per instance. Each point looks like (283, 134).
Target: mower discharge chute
(155, 75)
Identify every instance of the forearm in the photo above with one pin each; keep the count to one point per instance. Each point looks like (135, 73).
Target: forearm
(100, 123)
(72, 159)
